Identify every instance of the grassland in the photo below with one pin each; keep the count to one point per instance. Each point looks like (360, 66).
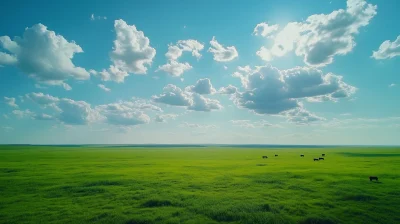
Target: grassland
(198, 185)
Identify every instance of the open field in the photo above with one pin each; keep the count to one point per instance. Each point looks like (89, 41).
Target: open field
(49, 184)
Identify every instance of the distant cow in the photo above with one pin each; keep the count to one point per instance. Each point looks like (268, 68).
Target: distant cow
(316, 159)
(373, 178)
(323, 154)
(265, 157)
(301, 155)
(276, 155)
(320, 158)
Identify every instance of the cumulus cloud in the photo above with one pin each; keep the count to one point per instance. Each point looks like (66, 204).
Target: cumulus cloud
(123, 114)
(163, 118)
(174, 68)
(43, 55)
(10, 101)
(173, 95)
(132, 53)
(269, 90)
(76, 112)
(322, 36)
(175, 51)
(201, 103)
(142, 104)
(388, 49)
(44, 100)
(202, 86)
(103, 87)
(265, 30)
(221, 53)
(301, 116)
(230, 89)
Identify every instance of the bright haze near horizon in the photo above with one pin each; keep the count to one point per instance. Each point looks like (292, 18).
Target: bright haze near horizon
(174, 72)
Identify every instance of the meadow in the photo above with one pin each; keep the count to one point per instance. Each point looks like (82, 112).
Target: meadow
(94, 184)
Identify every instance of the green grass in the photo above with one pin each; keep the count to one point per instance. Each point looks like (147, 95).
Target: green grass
(198, 185)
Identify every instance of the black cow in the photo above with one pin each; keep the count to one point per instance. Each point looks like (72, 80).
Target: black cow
(373, 178)
(323, 154)
(316, 159)
(265, 157)
(276, 155)
(320, 158)
(301, 155)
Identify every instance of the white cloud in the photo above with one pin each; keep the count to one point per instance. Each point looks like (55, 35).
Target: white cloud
(221, 53)
(103, 87)
(387, 49)
(23, 113)
(269, 90)
(173, 95)
(191, 45)
(76, 112)
(10, 101)
(142, 104)
(174, 52)
(6, 59)
(201, 103)
(163, 118)
(392, 85)
(44, 100)
(123, 114)
(202, 86)
(175, 68)
(43, 55)
(230, 89)
(322, 36)
(93, 17)
(265, 30)
(301, 116)
(66, 86)
(132, 53)
(225, 67)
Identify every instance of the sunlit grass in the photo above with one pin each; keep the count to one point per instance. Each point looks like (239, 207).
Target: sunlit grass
(198, 185)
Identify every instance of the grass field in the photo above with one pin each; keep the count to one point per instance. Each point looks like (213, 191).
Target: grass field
(48, 184)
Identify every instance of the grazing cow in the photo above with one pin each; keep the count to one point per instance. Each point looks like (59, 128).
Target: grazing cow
(276, 155)
(320, 158)
(373, 178)
(265, 157)
(323, 154)
(301, 155)
(316, 159)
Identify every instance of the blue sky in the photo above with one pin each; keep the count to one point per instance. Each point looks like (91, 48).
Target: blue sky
(248, 72)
